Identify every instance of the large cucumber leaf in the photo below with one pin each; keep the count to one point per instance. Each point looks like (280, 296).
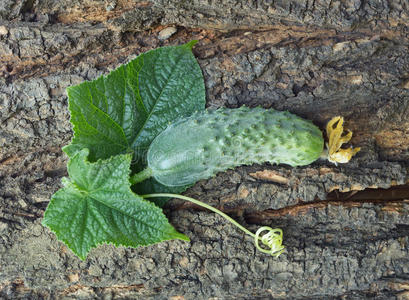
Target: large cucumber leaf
(125, 110)
(96, 205)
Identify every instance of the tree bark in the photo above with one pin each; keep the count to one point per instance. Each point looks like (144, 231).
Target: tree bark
(345, 236)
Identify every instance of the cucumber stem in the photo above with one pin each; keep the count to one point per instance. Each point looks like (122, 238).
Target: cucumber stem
(273, 239)
(141, 176)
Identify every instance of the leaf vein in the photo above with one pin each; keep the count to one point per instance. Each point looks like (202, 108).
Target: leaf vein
(157, 100)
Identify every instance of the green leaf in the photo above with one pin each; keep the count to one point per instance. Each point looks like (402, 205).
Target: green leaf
(96, 205)
(125, 110)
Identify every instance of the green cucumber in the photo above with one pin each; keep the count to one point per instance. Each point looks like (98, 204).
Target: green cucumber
(211, 141)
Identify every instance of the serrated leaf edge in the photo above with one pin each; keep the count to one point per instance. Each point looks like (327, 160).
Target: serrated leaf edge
(65, 181)
(188, 45)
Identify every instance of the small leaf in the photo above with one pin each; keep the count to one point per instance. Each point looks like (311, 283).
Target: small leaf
(125, 110)
(96, 205)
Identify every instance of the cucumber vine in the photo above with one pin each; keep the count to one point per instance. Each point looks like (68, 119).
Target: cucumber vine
(156, 102)
(272, 239)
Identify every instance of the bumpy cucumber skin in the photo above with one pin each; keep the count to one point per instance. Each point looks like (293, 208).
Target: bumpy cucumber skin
(208, 142)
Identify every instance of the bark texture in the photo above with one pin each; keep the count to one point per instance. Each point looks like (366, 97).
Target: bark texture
(317, 59)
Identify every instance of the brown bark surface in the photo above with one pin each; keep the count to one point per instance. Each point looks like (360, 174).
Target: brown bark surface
(346, 236)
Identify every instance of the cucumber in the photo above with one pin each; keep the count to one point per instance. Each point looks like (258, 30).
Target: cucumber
(211, 141)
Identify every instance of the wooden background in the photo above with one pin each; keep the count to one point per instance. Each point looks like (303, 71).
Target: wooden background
(346, 237)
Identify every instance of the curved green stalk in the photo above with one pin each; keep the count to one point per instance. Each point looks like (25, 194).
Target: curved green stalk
(272, 239)
(141, 176)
